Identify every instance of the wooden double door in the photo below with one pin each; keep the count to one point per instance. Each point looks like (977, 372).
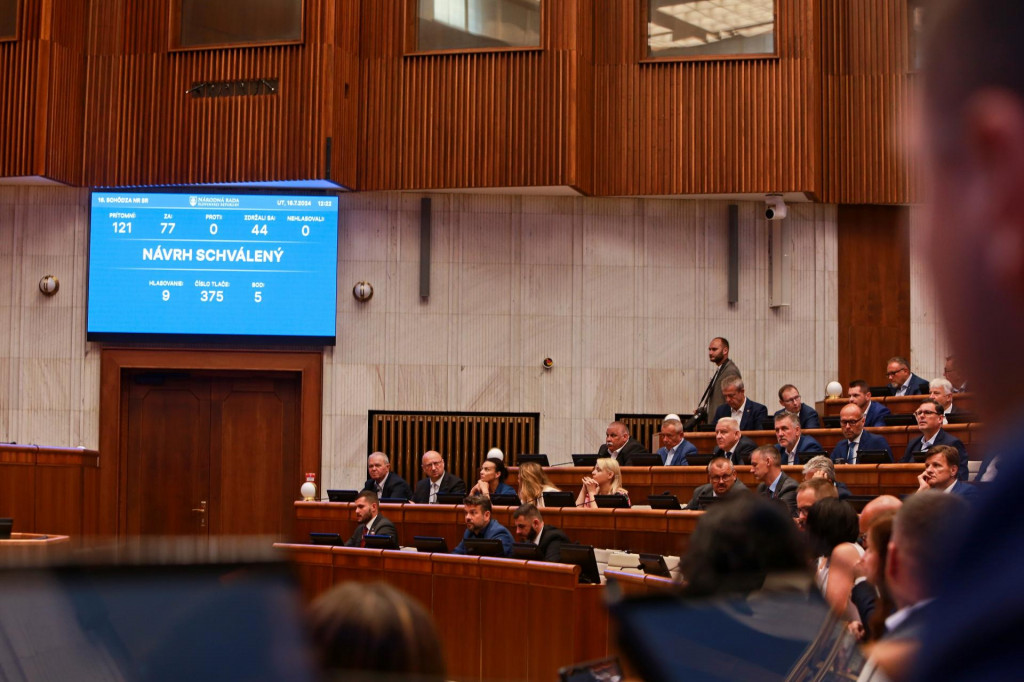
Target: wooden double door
(209, 453)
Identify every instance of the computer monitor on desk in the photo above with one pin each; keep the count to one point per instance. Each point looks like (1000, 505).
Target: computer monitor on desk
(380, 541)
(450, 498)
(584, 460)
(484, 547)
(582, 556)
(538, 458)
(645, 460)
(342, 495)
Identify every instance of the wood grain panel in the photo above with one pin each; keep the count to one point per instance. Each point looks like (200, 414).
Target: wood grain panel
(867, 84)
(874, 290)
(146, 129)
(708, 125)
(473, 119)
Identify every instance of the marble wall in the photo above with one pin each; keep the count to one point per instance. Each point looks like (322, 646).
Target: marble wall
(623, 294)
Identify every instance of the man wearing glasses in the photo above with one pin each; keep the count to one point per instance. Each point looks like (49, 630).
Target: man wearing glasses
(723, 482)
(436, 481)
(929, 421)
(789, 398)
(851, 421)
(901, 380)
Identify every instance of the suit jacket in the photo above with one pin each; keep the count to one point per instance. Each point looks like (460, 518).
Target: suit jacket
(551, 541)
(965, 490)
(808, 417)
(685, 448)
(705, 491)
(784, 491)
(918, 386)
(740, 453)
(876, 414)
(805, 444)
(978, 608)
(868, 441)
(753, 415)
(394, 486)
(727, 369)
(941, 438)
(864, 596)
(632, 447)
(450, 483)
(382, 526)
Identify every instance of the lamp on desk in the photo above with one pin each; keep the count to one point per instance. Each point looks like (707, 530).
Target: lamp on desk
(834, 389)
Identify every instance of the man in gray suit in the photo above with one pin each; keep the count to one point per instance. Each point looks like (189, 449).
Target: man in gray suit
(718, 353)
(370, 522)
(723, 483)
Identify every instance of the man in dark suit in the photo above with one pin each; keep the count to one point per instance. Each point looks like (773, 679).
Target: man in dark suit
(382, 481)
(619, 445)
(722, 482)
(940, 473)
(874, 412)
(929, 421)
(370, 522)
(748, 413)
(718, 353)
(851, 421)
(791, 441)
(942, 391)
(437, 480)
(674, 447)
(973, 101)
(772, 482)
(789, 398)
(731, 443)
(530, 527)
(921, 534)
(901, 380)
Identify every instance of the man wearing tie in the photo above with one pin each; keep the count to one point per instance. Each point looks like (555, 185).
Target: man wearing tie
(718, 353)
(731, 443)
(370, 522)
(674, 447)
(437, 480)
(851, 421)
(929, 421)
(382, 481)
(773, 482)
(901, 380)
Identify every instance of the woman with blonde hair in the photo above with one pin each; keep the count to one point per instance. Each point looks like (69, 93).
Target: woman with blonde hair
(605, 479)
(533, 483)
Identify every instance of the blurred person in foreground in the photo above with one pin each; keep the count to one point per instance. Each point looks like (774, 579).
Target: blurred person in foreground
(973, 148)
(372, 631)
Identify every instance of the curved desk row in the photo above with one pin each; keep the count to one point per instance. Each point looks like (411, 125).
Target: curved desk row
(498, 618)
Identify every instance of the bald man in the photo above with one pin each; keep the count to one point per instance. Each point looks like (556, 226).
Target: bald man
(437, 480)
(619, 445)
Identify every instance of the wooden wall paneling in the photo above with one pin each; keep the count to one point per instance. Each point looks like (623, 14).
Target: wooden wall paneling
(468, 119)
(874, 290)
(411, 572)
(867, 83)
(706, 125)
(18, 485)
(313, 566)
(154, 132)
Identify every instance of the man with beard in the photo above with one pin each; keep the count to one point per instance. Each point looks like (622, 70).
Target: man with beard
(479, 524)
(370, 522)
(530, 527)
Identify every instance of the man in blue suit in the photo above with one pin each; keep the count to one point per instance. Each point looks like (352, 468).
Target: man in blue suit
(789, 398)
(901, 380)
(791, 442)
(940, 473)
(855, 438)
(973, 101)
(874, 412)
(674, 447)
(748, 413)
(929, 420)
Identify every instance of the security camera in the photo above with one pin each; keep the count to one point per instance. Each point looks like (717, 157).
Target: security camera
(775, 207)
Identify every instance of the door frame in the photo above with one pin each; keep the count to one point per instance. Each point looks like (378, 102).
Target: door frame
(105, 517)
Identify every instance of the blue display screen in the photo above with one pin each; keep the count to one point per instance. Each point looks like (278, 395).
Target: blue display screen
(213, 265)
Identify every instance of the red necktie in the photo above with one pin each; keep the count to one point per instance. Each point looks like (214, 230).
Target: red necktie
(366, 531)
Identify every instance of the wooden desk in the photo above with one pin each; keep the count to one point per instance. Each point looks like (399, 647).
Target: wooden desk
(33, 540)
(49, 489)
(898, 404)
(498, 618)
